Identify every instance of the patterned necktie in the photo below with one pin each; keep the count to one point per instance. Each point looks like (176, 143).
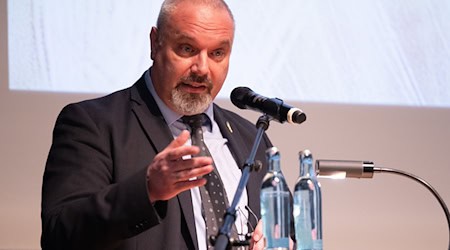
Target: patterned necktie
(214, 201)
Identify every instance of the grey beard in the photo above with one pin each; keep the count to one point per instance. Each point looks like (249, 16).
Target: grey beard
(190, 104)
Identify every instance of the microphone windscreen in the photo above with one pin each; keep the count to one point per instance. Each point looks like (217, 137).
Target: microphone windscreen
(238, 96)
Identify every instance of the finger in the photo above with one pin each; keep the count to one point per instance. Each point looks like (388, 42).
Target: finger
(191, 163)
(173, 154)
(259, 245)
(186, 185)
(180, 140)
(191, 173)
(258, 234)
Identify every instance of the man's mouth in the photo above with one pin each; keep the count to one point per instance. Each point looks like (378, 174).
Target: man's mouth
(194, 88)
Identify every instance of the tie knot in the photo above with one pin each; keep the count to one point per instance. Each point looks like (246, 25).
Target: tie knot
(195, 121)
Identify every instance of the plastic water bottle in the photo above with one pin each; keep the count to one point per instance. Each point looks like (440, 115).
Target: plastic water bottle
(308, 206)
(275, 204)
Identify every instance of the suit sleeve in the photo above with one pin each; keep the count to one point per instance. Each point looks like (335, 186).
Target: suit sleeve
(82, 206)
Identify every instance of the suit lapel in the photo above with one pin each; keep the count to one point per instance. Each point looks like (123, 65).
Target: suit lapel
(159, 135)
(240, 148)
(149, 116)
(236, 144)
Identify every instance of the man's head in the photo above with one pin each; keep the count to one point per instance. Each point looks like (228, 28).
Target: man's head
(190, 49)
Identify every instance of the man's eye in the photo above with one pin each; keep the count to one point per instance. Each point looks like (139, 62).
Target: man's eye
(218, 53)
(186, 49)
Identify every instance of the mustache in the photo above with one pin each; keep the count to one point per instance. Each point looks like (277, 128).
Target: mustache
(194, 78)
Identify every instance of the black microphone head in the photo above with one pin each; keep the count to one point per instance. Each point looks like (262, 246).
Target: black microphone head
(238, 96)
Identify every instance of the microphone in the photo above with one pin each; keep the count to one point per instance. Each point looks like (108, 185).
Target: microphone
(245, 98)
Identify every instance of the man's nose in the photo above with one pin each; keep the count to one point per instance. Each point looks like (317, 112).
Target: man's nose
(200, 64)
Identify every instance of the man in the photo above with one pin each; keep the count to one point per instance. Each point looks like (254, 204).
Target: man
(119, 173)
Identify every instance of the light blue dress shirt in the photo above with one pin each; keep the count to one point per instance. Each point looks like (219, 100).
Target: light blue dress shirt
(223, 160)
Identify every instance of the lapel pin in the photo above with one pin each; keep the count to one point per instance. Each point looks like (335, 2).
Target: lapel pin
(229, 127)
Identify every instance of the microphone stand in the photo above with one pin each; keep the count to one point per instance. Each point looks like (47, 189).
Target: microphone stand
(222, 241)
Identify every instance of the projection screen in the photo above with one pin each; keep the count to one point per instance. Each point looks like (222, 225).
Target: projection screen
(380, 52)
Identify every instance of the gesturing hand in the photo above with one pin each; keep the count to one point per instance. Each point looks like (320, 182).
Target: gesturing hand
(169, 174)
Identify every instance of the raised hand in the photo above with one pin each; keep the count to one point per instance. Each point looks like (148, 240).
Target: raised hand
(169, 174)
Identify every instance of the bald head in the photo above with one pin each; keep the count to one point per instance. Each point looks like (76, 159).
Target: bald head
(169, 7)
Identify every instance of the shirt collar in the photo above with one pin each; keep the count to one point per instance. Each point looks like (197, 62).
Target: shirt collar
(169, 115)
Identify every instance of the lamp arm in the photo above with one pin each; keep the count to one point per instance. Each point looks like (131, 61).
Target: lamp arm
(424, 183)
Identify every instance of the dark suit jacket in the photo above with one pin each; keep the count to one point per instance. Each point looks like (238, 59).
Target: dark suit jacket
(94, 193)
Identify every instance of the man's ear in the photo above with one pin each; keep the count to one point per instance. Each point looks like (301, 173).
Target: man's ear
(154, 42)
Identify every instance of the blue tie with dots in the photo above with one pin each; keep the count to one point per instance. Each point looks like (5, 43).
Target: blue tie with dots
(214, 201)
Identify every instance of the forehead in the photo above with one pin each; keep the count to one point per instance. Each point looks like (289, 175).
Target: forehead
(201, 23)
